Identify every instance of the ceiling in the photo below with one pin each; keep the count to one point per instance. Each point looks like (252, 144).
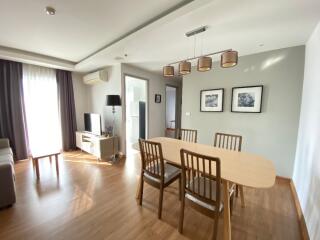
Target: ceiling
(87, 35)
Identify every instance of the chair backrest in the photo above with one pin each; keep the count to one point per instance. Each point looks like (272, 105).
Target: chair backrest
(228, 141)
(188, 135)
(196, 166)
(152, 161)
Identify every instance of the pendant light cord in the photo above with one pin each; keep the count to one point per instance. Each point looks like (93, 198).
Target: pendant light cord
(202, 46)
(194, 46)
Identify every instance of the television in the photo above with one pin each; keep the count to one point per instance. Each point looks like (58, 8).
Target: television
(92, 123)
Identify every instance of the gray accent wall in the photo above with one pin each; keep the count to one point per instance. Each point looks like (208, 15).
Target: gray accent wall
(272, 133)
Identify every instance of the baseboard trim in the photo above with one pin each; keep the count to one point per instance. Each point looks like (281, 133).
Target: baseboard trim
(302, 221)
(284, 179)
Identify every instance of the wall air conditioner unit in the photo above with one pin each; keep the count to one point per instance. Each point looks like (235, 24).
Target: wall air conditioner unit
(96, 77)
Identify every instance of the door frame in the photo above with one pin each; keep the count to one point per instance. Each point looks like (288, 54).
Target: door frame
(125, 105)
(176, 107)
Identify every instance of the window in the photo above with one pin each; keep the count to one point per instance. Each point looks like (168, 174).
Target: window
(41, 101)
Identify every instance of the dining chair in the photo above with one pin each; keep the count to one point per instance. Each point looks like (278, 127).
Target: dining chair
(155, 171)
(188, 135)
(234, 143)
(203, 191)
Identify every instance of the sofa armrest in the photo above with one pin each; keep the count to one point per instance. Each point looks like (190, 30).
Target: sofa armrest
(7, 185)
(4, 143)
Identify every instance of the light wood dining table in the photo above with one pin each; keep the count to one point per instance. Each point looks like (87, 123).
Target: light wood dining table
(244, 169)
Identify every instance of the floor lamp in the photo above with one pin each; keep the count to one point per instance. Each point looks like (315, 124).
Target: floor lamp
(113, 100)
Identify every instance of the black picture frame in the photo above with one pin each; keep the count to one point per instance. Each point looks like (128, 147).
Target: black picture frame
(219, 108)
(245, 111)
(157, 98)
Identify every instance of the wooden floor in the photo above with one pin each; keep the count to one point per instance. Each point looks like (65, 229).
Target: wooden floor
(94, 200)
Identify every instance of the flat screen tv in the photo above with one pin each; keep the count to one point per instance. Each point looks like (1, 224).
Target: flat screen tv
(92, 123)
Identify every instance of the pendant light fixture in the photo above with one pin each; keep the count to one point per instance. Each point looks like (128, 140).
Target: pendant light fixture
(168, 71)
(184, 67)
(229, 59)
(204, 64)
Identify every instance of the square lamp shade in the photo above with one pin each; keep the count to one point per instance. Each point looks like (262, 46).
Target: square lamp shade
(113, 100)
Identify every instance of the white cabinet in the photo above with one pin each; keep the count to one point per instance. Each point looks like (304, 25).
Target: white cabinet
(100, 146)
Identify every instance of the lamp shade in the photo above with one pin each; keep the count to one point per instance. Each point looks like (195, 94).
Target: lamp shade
(184, 67)
(204, 64)
(113, 100)
(229, 59)
(168, 71)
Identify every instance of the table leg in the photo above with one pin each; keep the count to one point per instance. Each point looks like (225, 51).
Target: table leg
(226, 211)
(33, 164)
(138, 189)
(57, 165)
(36, 161)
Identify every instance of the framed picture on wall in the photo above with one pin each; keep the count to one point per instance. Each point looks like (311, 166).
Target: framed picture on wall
(247, 99)
(211, 100)
(157, 98)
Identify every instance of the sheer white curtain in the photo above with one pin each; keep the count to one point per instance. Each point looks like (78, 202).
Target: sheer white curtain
(41, 101)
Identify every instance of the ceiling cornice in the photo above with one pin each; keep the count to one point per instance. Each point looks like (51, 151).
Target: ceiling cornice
(175, 12)
(47, 61)
(140, 27)
(17, 55)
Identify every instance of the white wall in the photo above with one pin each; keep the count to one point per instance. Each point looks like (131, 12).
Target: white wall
(92, 98)
(97, 100)
(272, 133)
(306, 175)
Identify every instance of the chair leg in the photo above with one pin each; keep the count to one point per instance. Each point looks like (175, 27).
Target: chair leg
(215, 230)
(237, 190)
(181, 214)
(231, 204)
(160, 202)
(141, 190)
(242, 196)
(180, 186)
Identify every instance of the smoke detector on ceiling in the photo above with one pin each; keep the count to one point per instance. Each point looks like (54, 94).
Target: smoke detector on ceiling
(50, 11)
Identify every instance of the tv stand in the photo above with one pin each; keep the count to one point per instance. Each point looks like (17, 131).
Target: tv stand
(100, 146)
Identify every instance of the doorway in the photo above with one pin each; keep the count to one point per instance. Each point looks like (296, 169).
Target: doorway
(171, 110)
(136, 96)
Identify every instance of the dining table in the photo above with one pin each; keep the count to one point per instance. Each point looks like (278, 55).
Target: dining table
(241, 168)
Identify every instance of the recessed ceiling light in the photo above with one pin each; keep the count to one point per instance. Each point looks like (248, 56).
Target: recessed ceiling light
(50, 11)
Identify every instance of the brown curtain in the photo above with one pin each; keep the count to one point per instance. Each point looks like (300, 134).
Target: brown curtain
(66, 109)
(12, 111)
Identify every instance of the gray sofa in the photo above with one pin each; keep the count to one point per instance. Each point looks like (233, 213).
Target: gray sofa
(7, 177)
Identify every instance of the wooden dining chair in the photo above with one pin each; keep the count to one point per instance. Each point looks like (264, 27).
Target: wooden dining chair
(188, 135)
(234, 143)
(203, 191)
(155, 171)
